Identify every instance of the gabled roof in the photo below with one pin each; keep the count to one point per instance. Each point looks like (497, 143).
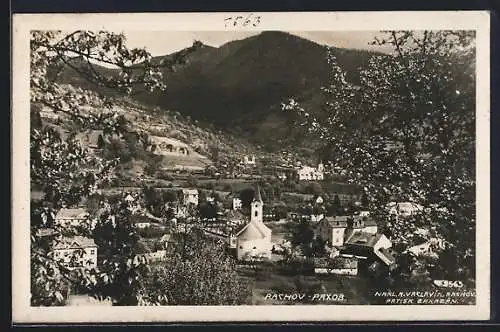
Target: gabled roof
(385, 256)
(405, 206)
(76, 242)
(363, 239)
(257, 197)
(41, 232)
(253, 230)
(190, 191)
(77, 213)
(336, 222)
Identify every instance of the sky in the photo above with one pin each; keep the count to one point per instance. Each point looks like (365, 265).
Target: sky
(166, 42)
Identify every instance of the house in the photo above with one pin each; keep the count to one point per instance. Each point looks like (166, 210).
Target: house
(404, 209)
(337, 265)
(284, 172)
(86, 300)
(336, 230)
(363, 245)
(317, 217)
(253, 241)
(427, 248)
(364, 213)
(332, 229)
(129, 198)
(77, 251)
(237, 204)
(308, 173)
(189, 196)
(249, 160)
(318, 199)
(71, 217)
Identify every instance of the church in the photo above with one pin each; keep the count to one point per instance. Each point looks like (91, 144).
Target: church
(253, 241)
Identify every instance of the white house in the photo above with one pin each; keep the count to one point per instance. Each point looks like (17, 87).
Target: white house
(253, 241)
(190, 196)
(318, 199)
(237, 204)
(76, 251)
(71, 217)
(308, 173)
(249, 160)
(332, 229)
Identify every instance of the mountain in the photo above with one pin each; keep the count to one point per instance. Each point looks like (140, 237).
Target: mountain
(240, 85)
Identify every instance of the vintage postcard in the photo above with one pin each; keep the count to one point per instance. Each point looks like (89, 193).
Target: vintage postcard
(189, 167)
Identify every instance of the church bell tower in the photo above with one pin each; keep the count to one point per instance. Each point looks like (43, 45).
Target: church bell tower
(257, 207)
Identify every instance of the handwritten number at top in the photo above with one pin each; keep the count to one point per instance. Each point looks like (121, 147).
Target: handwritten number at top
(242, 21)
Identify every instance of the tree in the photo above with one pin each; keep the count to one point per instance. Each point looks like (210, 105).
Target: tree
(302, 237)
(198, 273)
(246, 196)
(337, 205)
(314, 188)
(68, 173)
(191, 181)
(35, 119)
(407, 132)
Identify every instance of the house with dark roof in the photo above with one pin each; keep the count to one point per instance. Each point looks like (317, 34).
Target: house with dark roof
(332, 229)
(77, 251)
(368, 246)
(336, 230)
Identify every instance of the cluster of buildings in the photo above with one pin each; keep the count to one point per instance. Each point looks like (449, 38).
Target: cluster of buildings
(253, 239)
(349, 239)
(299, 172)
(73, 251)
(355, 237)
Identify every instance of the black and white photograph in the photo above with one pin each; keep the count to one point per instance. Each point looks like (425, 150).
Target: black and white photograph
(241, 164)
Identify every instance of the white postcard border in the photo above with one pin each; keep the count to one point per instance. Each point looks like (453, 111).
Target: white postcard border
(292, 21)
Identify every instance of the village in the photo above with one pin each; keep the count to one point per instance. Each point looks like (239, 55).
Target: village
(258, 221)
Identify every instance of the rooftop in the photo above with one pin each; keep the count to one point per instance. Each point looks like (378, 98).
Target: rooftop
(190, 191)
(77, 213)
(76, 242)
(363, 239)
(253, 231)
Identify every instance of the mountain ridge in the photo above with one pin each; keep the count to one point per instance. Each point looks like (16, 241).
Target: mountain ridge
(239, 85)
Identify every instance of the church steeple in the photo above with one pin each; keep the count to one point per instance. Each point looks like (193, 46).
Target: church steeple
(257, 197)
(257, 207)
